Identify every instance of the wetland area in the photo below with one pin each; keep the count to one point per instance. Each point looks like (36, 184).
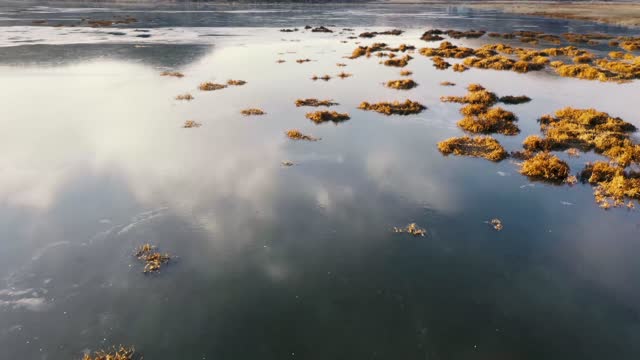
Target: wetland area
(317, 181)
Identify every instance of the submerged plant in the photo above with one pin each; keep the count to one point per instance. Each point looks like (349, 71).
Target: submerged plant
(191, 124)
(252, 111)
(172, 73)
(403, 84)
(186, 96)
(210, 86)
(314, 102)
(152, 259)
(401, 108)
(120, 353)
(478, 146)
(295, 134)
(319, 117)
(412, 229)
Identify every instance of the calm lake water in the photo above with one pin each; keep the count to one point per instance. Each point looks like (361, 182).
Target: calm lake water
(298, 262)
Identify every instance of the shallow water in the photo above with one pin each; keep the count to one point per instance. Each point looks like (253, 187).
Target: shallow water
(293, 262)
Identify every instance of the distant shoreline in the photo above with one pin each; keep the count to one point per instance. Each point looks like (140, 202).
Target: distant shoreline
(623, 13)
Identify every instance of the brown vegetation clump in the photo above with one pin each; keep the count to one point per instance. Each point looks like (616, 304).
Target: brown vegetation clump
(280, 61)
(324, 77)
(236, 82)
(301, 61)
(583, 59)
(172, 73)
(432, 35)
(398, 62)
(367, 50)
(319, 117)
(447, 50)
(509, 99)
(372, 34)
(341, 64)
(440, 63)
(403, 84)
(295, 134)
(314, 102)
(631, 45)
(120, 353)
(400, 108)
(488, 121)
(411, 229)
(344, 75)
(252, 111)
(447, 83)
(545, 166)
(478, 146)
(187, 97)
(209, 86)
(476, 95)
(322, 29)
(613, 184)
(497, 224)
(406, 73)
(460, 67)
(469, 34)
(191, 124)
(152, 259)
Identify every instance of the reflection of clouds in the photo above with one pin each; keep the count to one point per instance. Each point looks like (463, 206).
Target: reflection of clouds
(25, 299)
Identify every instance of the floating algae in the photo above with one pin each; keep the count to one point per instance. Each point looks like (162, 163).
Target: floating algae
(400, 108)
(477, 146)
(545, 166)
(496, 223)
(398, 62)
(280, 61)
(411, 229)
(613, 184)
(322, 29)
(447, 50)
(236, 82)
(432, 35)
(586, 129)
(447, 83)
(403, 84)
(488, 121)
(406, 72)
(252, 111)
(439, 63)
(460, 68)
(319, 117)
(301, 61)
(191, 124)
(469, 34)
(314, 102)
(186, 96)
(367, 50)
(172, 73)
(344, 75)
(372, 34)
(295, 134)
(210, 86)
(476, 95)
(120, 353)
(153, 260)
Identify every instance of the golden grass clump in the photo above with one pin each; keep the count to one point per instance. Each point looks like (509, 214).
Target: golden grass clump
(439, 63)
(545, 166)
(613, 185)
(447, 83)
(252, 111)
(152, 259)
(210, 86)
(187, 97)
(583, 59)
(295, 134)
(447, 50)
(631, 45)
(476, 95)
(432, 35)
(492, 120)
(191, 124)
(478, 146)
(582, 71)
(314, 102)
(509, 99)
(172, 73)
(367, 50)
(398, 62)
(460, 67)
(236, 82)
(406, 72)
(412, 229)
(388, 108)
(319, 117)
(403, 84)
(120, 353)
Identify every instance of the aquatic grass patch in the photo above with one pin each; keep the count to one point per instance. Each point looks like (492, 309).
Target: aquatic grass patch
(236, 82)
(411, 229)
(545, 166)
(478, 146)
(402, 84)
(295, 134)
(186, 97)
(322, 116)
(152, 259)
(398, 62)
(407, 107)
(252, 112)
(314, 102)
(211, 86)
(119, 353)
